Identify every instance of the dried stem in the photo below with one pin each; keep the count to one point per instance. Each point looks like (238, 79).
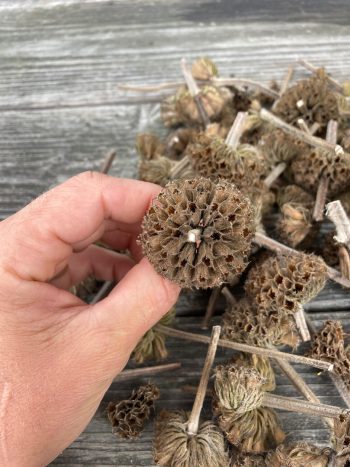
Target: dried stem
(214, 296)
(336, 213)
(229, 296)
(287, 79)
(298, 134)
(108, 161)
(179, 167)
(236, 130)
(344, 261)
(309, 66)
(294, 405)
(127, 375)
(103, 292)
(314, 128)
(303, 126)
(195, 92)
(341, 388)
(301, 324)
(193, 421)
(277, 247)
(274, 174)
(276, 354)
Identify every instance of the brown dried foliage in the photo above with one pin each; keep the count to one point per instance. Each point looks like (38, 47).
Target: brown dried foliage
(298, 455)
(278, 146)
(149, 146)
(294, 224)
(156, 170)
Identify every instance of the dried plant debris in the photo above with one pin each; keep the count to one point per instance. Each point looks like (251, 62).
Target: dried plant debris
(198, 233)
(298, 455)
(128, 417)
(204, 69)
(178, 140)
(328, 345)
(174, 447)
(87, 288)
(149, 146)
(278, 146)
(341, 441)
(261, 364)
(247, 460)
(284, 281)
(156, 170)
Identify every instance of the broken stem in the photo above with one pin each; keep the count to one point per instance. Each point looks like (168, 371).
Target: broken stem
(274, 174)
(229, 296)
(302, 125)
(193, 421)
(336, 213)
(287, 79)
(301, 324)
(236, 130)
(108, 161)
(126, 375)
(309, 66)
(214, 296)
(276, 354)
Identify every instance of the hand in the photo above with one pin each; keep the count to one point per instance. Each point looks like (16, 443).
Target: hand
(59, 355)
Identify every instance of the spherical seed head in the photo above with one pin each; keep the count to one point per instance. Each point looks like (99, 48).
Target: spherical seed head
(238, 389)
(308, 168)
(204, 69)
(294, 224)
(256, 431)
(262, 365)
(319, 102)
(294, 194)
(283, 282)
(298, 455)
(156, 171)
(278, 146)
(149, 146)
(224, 218)
(128, 416)
(329, 248)
(173, 446)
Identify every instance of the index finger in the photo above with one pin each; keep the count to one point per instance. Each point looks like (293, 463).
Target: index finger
(38, 240)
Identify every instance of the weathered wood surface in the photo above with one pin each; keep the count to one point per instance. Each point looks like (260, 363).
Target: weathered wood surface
(60, 110)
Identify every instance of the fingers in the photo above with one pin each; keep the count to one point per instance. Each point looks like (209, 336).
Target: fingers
(38, 241)
(136, 303)
(101, 263)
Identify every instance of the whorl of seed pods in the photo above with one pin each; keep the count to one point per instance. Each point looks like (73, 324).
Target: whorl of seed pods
(204, 69)
(174, 447)
(244, 323)
(278, 146)
(328, 345)
(308, 168)
(310, 99)
(156, 170)
(149, 146)
(152, 345)
(298, 455)
(256, 431)
(283, 282)
(294, 224)
(129, 416)
(341, 440)
(261, 364)
(198, 233)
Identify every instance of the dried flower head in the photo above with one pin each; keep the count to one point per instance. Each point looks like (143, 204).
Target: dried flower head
(244, 460)
(294, 194)
(169, 112)
(341, 440)
(279, 146)
(328, 345)
(294, 224)
(308, 168)
(283, 282)
(152, 344)
(129, 416)
(174, 447)
(310, 99)
(204, 69)
(156, 170)
(262, 365)
(178, 140)
(149, 146)
(198, 233)
(298, 455)
(245, 323)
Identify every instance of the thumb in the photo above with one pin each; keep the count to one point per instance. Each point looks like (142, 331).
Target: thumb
(140, 299)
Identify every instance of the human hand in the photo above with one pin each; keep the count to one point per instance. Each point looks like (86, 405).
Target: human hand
(58, 354)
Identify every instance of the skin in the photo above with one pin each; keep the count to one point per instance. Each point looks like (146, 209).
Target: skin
(58, 354)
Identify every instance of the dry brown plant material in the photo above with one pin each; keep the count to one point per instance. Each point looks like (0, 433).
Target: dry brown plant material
(204, 69)
(245, 460)
(294, 224)
(294, 194)
(198, 233)
(278, 146)
(329, 249)
(156, 171)
(262, 365)
(298, 455)
(128, 417)
(149, 146)
(152, 344)
(283, 282)
(341, 441)
(178, 140)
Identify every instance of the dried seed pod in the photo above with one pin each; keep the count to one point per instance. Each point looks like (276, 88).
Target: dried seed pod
(129, 416)
(308, 168)
(178, 140)
(278, 146)
(256, 431)
(244, 323)
(294, 194)
(244, 460)
(152, 344)
(149, 146)
(174, 447)
(262, 365)
(328, 345)
(294, 224)
(156, 171)
(341, 440)
(197, 233)
(310, 99)
(216, 130)
(298, 455)
(283, 282)
(204, 69)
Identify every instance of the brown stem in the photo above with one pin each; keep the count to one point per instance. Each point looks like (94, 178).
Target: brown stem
(302, 125)
(295, 405)
(276, 354)
(314, 128)
(103, 292)
(236, 130)
(336, 213)
(126, 375)
(179, 167)
(193, 390)
(108, 161)
(287, 79)
(301, 135)
(277, 247)
(341, 388)
(274, 174)
(344, 261)
(193, 421)
(309, 66)
(229, 296)
(301, 324)
(321, 196)
(214, 296)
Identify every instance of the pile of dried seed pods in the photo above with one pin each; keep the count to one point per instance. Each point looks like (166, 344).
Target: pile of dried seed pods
(251, 176)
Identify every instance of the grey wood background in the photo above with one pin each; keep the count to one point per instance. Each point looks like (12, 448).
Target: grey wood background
(60, 110)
